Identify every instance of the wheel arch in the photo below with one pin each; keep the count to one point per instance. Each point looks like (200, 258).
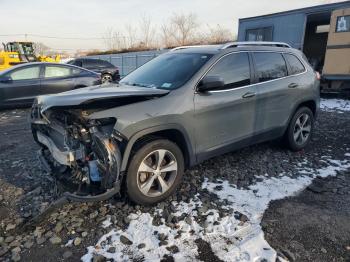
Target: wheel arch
(172, 132)
(309, 103)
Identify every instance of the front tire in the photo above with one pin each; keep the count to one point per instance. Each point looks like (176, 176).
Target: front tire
(300, 128)
(155, 171)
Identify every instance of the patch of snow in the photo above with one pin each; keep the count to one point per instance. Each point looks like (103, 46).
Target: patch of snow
(229, 238)
(69, 243)
(254, 202)
(107, 222)
(141, 231)
(335, 105)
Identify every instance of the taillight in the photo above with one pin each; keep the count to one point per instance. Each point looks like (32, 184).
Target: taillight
(318, 75)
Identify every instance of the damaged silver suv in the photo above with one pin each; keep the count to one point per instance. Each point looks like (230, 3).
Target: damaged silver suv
(181, 108)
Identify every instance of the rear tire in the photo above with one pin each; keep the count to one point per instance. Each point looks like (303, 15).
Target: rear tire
(300, 128)
(155, 171)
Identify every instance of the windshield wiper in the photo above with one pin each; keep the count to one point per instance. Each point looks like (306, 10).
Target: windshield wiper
(141, 85)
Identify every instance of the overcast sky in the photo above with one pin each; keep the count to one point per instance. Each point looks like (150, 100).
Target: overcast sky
(91, 18)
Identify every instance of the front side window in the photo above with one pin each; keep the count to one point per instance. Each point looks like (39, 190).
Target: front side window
(233, 69)
(26, 73)
(57, 71)
(343, 24)
(296, 67)
(167, 71)
(269, 66)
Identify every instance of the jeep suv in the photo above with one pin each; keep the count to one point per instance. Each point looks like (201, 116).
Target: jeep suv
(175, 111)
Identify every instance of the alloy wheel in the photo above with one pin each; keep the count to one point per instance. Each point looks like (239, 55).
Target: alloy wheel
(157, 172)
(302, 129)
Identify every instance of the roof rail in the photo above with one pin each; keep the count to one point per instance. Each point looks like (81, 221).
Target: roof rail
(191, 46)
(255, 43)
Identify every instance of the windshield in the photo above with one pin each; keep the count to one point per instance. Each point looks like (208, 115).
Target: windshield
(26, 48)
(168, 71)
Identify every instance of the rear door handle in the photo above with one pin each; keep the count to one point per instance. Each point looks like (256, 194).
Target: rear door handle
(293, 85)
(249, 94)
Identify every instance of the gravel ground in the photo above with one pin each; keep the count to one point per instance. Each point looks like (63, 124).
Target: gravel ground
(182, 227)
(321, 212)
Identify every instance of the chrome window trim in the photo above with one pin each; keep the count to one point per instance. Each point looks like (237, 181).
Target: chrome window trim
(241, 87)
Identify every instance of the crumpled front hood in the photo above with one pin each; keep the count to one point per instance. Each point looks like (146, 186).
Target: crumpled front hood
(95, 93)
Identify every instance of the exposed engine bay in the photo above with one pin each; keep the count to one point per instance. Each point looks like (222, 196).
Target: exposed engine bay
(83, 154)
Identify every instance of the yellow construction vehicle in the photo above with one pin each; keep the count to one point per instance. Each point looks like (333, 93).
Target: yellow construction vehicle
(21, 52)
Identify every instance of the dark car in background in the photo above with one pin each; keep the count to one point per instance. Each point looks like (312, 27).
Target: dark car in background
(20, 84)
(108, 71)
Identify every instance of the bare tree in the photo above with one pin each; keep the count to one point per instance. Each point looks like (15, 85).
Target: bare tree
(114, 40)
(185, 27)
(218, 34)
(131, 36)
(167, 33)
(147, 31)
(178, 29)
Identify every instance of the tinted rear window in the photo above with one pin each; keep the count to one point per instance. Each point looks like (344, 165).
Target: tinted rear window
(296, 67)
(270, 66)
(97, 63)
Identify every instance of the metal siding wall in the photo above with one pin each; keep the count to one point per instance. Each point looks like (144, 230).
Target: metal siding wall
(128, 62)
(286, 28)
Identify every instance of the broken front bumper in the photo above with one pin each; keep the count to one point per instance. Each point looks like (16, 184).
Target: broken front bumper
(71, 197)
(63, 157)
(108, 154)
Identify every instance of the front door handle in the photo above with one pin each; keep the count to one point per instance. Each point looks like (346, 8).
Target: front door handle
(293, 85)
(249, 94)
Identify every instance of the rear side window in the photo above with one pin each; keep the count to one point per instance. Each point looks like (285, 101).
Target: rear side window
(270, 66)
(76, 71)
(57, 71)
(233, 69)
(296, 67)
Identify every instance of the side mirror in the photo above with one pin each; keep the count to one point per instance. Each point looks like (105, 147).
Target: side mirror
(5, 79)
(209, 83)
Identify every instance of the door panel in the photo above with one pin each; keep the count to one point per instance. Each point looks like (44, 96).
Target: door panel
(226, 115)
(24, 87)
(57, 79)
(274, 97)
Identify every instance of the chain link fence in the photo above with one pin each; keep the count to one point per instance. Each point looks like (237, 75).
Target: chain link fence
(128, 62)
